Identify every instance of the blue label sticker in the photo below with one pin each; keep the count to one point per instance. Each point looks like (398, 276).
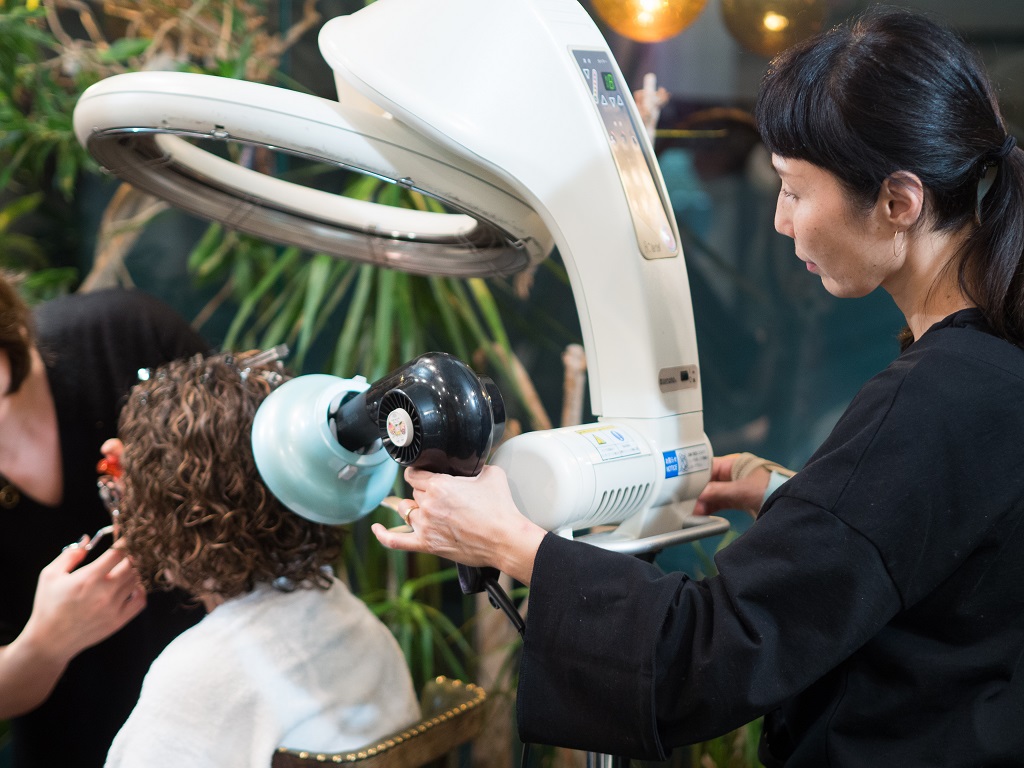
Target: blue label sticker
(671, 464)
(683, 461)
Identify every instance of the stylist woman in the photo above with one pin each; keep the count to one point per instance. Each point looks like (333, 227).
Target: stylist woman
(65, 369)
(874, 612)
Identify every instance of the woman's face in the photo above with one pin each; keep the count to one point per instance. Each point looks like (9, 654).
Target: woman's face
(846, 247)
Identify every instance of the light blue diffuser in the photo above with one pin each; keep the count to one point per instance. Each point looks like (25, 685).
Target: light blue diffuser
(301, 460)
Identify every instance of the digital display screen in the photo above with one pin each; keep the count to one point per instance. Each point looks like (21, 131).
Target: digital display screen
(638, 172)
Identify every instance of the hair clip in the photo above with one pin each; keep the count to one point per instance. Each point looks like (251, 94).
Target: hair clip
(266, 357)
(110, 494)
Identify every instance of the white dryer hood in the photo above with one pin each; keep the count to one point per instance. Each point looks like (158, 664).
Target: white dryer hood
(515, 114)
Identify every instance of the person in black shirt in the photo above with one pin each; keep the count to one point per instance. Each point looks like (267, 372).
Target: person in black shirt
(67, 368)
(874, 612)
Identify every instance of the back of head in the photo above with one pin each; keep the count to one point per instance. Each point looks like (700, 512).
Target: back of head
(893, 91)
(195, 512)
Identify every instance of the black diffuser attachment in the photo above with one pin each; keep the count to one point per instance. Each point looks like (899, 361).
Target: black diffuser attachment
(437, 414)
(434, 413)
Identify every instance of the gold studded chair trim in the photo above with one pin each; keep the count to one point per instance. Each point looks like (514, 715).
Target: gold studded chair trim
(452, 715)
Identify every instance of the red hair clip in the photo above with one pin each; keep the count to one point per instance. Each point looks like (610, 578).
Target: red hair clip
(110, 465)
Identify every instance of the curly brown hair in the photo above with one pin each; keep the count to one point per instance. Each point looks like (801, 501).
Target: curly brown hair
(195, 513)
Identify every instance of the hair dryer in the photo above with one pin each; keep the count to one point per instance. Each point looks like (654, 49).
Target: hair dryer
(434, 413)
(329, 448)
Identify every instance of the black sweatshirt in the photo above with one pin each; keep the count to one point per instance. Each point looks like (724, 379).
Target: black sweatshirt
(874, 612)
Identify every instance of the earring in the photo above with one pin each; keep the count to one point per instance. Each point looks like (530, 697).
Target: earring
(895, 235)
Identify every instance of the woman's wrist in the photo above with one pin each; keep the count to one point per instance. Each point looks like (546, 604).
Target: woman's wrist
(44, 646)
(520, 551)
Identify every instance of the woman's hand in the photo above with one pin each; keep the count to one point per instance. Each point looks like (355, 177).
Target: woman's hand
(73, 610)
(723, 492)
(471, 520)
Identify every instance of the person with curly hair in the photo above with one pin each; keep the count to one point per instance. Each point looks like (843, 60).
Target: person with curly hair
(286, 655)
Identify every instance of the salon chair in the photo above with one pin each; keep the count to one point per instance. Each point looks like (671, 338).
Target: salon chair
(452, 714)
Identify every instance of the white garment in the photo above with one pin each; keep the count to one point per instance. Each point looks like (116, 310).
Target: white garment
(309, 669)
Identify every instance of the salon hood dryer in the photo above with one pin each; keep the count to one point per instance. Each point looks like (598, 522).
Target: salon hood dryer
(515, 115)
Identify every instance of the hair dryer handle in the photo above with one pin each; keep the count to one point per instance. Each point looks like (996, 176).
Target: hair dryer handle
(473, 579)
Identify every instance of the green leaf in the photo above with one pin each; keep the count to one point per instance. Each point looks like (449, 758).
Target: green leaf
(18, 247)
(289, 256)
(45, 284)
(17, 208)
(205, 247)
(489, 309)
(424, 661)
(408, 589)
(380, 363)
(284, 326)
(448, 629)
(344, 352)
(449, 321)
(341, 276)
(67, 171)
(123, 49)
(363, 188)
(410, 333)
(316, 287)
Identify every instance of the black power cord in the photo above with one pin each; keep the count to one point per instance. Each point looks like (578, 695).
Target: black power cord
(485, 579)
(500, 599)
(475, 580)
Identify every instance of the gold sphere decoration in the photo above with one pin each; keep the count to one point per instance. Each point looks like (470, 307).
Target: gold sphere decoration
(648, 21)
(768, 27)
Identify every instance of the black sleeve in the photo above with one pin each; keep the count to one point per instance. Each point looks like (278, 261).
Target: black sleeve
(623, 659)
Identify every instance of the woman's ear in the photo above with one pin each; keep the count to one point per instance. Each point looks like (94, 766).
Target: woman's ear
(901, 200)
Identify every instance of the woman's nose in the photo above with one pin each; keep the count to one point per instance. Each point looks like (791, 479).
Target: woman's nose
(783, 221)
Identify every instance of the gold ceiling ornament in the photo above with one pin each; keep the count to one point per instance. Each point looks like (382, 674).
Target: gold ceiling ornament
(768, 27)
(648, 21)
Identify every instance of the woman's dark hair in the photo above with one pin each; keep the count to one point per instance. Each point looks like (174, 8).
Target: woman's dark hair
(195, 512)
(15, 332)
(893, 91)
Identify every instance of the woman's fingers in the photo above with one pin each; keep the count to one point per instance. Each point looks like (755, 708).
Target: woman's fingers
(71, 557)
(392, 539)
